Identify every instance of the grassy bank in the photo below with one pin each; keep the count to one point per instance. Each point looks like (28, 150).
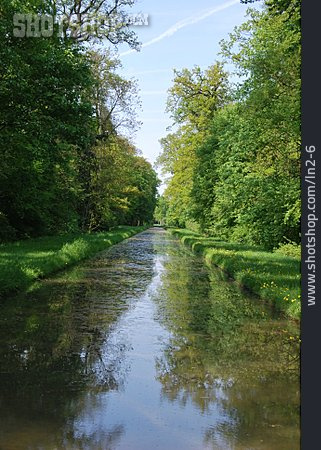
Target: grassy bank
(22, 262)
(272, 276)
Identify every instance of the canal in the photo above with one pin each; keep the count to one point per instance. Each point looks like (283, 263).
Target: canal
(144, 347)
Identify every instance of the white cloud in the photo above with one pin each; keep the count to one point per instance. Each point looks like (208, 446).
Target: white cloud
(184, 23)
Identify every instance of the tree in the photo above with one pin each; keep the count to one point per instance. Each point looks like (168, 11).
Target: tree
(115, 99)
(178, 159)
(65, 165)
(247, 181)
(142, 192)
(160, 214)
(196, 95)
(123, 186)
(46, 126)
(234, 162)
(193, 100)
(277, 7)
(94, 20)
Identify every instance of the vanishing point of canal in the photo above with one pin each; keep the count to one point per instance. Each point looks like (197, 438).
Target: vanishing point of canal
(144, 347)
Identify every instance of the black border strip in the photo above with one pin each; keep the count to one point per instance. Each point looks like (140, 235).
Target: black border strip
(311, 235)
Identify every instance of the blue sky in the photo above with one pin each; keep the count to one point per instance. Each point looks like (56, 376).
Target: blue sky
(181, 33)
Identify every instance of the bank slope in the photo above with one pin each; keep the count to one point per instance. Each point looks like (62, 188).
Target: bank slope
(24, 261)
(272, 276)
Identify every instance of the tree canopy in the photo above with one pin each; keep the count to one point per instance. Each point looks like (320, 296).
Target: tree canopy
(234, 163)
(66, 163)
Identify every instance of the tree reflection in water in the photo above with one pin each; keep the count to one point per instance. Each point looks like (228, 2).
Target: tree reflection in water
(229, 351)
(58, 350)
(77, 358)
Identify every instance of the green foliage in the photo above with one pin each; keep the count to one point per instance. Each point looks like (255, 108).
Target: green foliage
(289, 249)
(45, 125)
(196, 95)
(276, 7)
(123, 186)
(240, 174)
(160, 213)
(193, 100)
(63, 108)
(181, 144)
(142, 196)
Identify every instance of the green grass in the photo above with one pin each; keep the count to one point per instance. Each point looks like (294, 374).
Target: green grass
(272, 276)
(22, 262)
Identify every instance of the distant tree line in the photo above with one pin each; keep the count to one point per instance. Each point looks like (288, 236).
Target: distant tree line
(66, 163)
(233, 155)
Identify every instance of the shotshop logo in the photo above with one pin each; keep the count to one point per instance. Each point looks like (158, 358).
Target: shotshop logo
(310, 235)
(64, 26)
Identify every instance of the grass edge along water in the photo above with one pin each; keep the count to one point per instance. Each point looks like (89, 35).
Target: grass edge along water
(272, 276)
(23, 262)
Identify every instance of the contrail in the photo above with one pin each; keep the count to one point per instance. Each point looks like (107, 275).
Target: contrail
(184, 23)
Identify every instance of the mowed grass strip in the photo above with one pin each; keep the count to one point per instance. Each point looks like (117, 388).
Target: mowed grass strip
(24, 261)
(272, 276)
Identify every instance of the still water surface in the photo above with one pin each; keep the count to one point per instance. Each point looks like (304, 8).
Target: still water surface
(144, 347)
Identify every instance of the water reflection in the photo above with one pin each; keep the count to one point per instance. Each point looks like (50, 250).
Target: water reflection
(144, 347)
(226, 349)
(56, 346)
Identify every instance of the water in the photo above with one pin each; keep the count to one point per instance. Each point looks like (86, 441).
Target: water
(143, 347)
